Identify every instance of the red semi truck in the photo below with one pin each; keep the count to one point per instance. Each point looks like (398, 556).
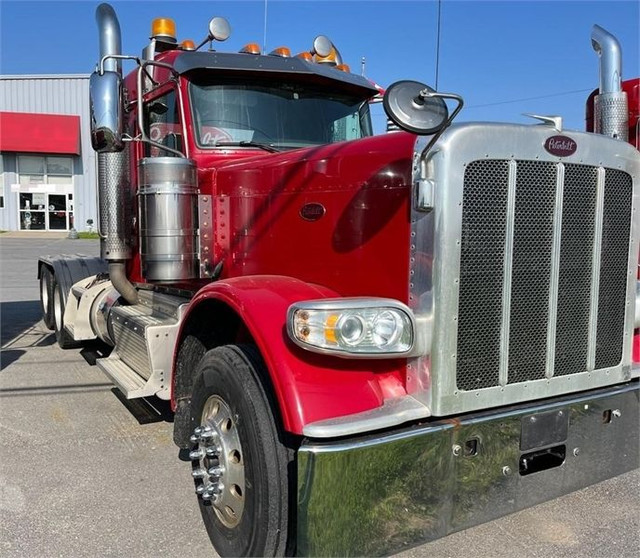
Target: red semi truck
(368, 341)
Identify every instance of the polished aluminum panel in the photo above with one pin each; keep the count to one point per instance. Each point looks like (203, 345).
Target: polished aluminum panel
(379, 494)
(460, 266)
(168, 218)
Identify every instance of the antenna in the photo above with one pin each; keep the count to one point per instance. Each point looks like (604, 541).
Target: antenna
(362, 65)
(437, 43)
(264, 42)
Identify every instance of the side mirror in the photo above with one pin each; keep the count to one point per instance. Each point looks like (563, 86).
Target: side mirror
(410, 105)
(106, 106)
(322, 46)
(219, 29)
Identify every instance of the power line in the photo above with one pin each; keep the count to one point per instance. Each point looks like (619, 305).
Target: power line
(531, 98)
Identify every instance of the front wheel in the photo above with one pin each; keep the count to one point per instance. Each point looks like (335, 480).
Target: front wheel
(239, 460)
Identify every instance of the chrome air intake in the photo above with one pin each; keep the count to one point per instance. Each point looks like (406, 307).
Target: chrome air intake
(168, 218)
(611, 115)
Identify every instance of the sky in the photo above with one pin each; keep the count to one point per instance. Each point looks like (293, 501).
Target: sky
(505, 58)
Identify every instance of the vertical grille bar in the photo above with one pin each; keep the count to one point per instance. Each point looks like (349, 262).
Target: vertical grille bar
(555, 273)
(616, 229)
(531, 278)
(506, 279)
(595, 272)
(574, 281)
(484, 209)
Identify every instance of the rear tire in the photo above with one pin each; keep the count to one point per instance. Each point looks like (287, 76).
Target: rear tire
(65, 341)
(248, 514)
(46, 296)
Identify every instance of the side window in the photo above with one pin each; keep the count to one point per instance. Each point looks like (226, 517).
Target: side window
(162, 120)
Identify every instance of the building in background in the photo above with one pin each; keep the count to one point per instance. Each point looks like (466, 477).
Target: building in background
(47, 165)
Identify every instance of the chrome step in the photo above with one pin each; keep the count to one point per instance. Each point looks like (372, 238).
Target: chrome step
(145, 335)
(125, 378)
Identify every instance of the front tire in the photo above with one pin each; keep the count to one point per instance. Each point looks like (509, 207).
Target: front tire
(239, 461)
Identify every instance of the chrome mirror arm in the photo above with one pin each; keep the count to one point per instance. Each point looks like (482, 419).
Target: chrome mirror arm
(427, 94)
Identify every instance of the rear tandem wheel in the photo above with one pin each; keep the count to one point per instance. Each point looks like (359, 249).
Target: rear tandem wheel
(65, 341)
(46, 296)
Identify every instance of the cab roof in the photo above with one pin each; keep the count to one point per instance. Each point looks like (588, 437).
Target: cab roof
(293, 68)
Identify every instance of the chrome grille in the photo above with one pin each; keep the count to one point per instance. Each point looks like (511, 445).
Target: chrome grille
(483, 233)
(535, 198)
(531, 318)
(576, 260)
(616, 222)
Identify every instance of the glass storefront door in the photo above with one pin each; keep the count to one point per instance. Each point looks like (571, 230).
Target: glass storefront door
(46, 212)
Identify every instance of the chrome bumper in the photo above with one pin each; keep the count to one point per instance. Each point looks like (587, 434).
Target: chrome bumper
(379, 494)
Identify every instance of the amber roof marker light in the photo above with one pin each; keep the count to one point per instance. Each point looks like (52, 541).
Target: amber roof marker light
(163, 29)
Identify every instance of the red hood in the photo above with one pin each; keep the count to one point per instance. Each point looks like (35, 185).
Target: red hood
(359, 243)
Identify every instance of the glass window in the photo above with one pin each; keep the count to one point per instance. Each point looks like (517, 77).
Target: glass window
(45, 170)
(162, 120)
(59, 166)
(283, 115)
(31, 165)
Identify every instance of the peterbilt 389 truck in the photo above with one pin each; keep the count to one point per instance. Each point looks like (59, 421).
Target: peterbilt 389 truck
(368, 341)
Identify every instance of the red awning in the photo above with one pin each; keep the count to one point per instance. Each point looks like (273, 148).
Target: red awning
(39, 133)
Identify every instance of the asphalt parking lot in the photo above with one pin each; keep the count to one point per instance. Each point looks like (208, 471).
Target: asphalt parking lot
(83, 475)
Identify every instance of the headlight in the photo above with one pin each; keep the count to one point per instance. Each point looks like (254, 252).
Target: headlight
(353, 327)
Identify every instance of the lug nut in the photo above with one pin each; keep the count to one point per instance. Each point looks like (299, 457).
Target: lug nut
(197, 454)
(194, 439)
(212, 451)
(198, 473)
(200, 489)
(208, 435)
(206, 496)
(198, 430)
(216, 471)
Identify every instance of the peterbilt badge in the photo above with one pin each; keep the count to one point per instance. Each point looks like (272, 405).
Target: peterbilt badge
(312, 211)
(560, 146)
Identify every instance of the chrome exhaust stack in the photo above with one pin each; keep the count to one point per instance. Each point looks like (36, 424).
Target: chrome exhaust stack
(115, 199)
(611, 115)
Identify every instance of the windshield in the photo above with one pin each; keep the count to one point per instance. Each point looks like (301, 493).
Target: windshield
(282, 115)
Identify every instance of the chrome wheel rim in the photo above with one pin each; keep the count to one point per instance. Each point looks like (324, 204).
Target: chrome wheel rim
(44, 293)
(218, 461)
(57, 309)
